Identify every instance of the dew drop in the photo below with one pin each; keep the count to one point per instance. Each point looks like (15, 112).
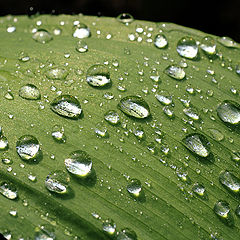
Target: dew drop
(101, 130)
(8, 190)
(58, 134)
(9, 96)
(139, 132)
(45, 232)
(81, 46)
(66, 106)
(98, 76)
(229, 112)
(29, 92)
(168, 111)
(191, 113)
(199, 190)
(42, 36)
(109, 227)
(208, 45)
(56, 73)
(126, 234)
(28, 148)
(3, 143)
(175, 72)
(23, 57)
(125, 18)
(216, 134)
(108, 95)
(57, 182)
(81, 31)
(164, 97)
(112, 117)
(197, 144)
(227, 42)
(230, 181)
(160, 41)
(134, 106)
(134, 188)
(187, 47)
(79, 163)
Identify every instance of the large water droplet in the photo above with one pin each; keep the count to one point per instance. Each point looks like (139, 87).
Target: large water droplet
(126, 234)
(79, 163)
(30, 92)
(112, 117)
(125, 18)
(81, 31)
(109, 227)
(187, 47)
(198, 144)
(230, 181)
(229, 112)
(134, 106)
(98, 76)
(56, 73)
(222, 210)
(175, 72)
(134, 187)
(227, 42)
(208, 45)
(164, 97)
(57, 182)
(66, 106)
(8, 190)
(28, 148)
(42, 36)
(81, 46)
(45, 232)
(160, 41)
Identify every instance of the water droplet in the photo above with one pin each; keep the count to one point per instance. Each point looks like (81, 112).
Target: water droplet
(112, 117)
(229, 112)
(208, 45)
(109, 227)
(45, 232)
(125, 18)
(3, 143)
(29, 92)
(108, 95)
(66, 106)
(101, 130)
(160, 41)
(79, 163)
(168, 111)
(8, 190)
(42, 36)
(81, 31)
(134, 187)
(175, 72)
(235, 156)
(23, 57)
(187, 47)
(56, 73)
(126, 234)
(58, 134)
(28, 148)
(139, 132)
(98, 76)
(134, 106)
(164, 97)
(199, 190)
(57, 182)
(216, 134)
(227, 42)
(81, 46)
(7, 161)
(222, 210)
(13, 213)
(191, 113)
(9, 96)
(198, 144)
(230, 181)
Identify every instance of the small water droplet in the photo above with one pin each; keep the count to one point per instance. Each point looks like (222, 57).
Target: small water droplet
(3, 143)
(112, 117)
(230, 181)
(79, 163)
(199, 190)
(134, 187)
(109, 227)
(139, 132)
(125, 18)
(44, 232)
(29, 92)
(8, 190)
(98, 76)
(101, 130)
(9, 96)
(216, 134)
(57, 182)
(164, 97)
(134, 106)
(108, 95)
(187, 47)
(7, 161)
(175, 72)
(81, 31)
(227, 42)
(208, 45)
(42, 36)
(168, 111)
(58, 134)
(56, 73)
(160, 41)
(81, 46)
(28, 148)
(235, 156)
(66, 106)
(191, 113)
(126, 234)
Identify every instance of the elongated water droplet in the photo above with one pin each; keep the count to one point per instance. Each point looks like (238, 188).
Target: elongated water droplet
(126, 234)
(199, 190)
(81, 46)
(198, 144)
(30, 92)
(81, 31)
(175, 72)
(112, 117)
(168, 111)
(101, 130)
(187, 47)
(160, 41)
(23, 57)
(28, 148)
(8, 190)
(134, 106)
(79, 163)
(44, 232)
(208, 45)
(216, 134)
(222, 210)
(42, 36)
(227, 42)
(125, 18)
(3, 143)
(134, 187)
(57, 182)
(109, 227)
(9, 96)
(230, 181)
(229, 112)
(56, 73)
(98, 76)
(58, 134)
(164, 97)
(66, 106)
(191, 113)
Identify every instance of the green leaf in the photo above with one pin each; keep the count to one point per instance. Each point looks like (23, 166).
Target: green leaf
(151, 149)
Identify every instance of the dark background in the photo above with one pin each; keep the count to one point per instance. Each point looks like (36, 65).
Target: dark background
(220, 17)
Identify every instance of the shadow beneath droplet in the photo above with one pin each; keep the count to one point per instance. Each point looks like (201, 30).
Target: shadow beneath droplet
(88, 181)
(68, 195)
(229, 221)
(209, 160)
(140, 120)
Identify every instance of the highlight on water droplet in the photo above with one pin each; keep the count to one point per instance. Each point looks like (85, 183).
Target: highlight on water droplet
(42, 36)
(29, 92)
(8, 190)
(175, 72)
(3, 143)
(160, 41)
(187, 47)
(81, 31)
